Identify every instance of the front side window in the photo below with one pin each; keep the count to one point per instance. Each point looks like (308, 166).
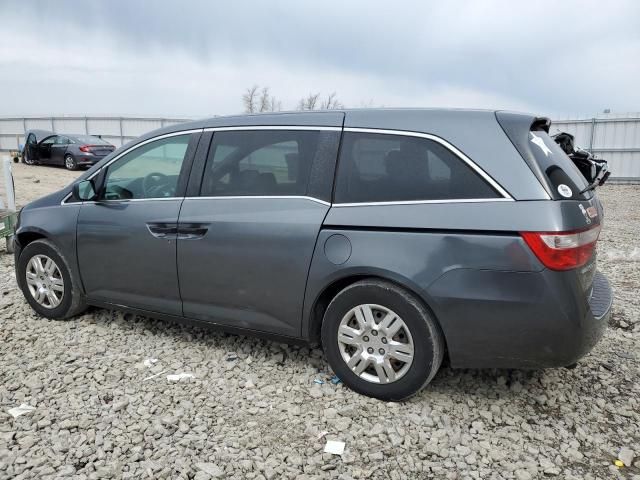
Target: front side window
(388, 168)
(150, 171)
(262, 162)
(49, 140)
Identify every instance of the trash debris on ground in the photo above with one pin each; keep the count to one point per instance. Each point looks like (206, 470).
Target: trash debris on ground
(231, 356)
(322, 434)
(178, 377)
(335, 447)
(335, 380)
(153, 376)
(149, 362)
(318, 381)
(21, 410)
(626, 456)
(619, 463)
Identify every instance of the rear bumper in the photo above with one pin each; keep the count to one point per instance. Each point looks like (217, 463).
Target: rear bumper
(87, 160)
(520, 319)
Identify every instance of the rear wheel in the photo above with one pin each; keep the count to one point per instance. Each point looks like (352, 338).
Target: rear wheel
(46, 281)
(70, 163)
(381, 340)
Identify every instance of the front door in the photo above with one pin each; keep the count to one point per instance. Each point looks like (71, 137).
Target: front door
(31, 148)
(44, 149)
(127, 238)
(245, 244)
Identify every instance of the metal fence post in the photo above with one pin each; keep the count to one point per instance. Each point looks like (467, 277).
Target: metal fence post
(121, 135)
(86, 125)
(593, 131)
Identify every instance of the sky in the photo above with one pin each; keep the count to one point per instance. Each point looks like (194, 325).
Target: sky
(195, 58)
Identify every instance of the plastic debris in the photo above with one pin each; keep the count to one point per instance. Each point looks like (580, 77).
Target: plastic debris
(153, 376)
(15, 412)
(335, 380)
(335, 447)
(619, 463)
(626, 456)
(322, 434)
(318, 381)
(178, 377)
(149, 362)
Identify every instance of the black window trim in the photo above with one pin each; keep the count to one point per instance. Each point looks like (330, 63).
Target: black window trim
(506, 197)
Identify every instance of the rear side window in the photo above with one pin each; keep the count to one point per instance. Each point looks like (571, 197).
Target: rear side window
(265, 162)
(387, 168)
(545, 157)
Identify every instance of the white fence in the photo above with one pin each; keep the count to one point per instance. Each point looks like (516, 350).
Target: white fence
(616, 138)
(115, 130)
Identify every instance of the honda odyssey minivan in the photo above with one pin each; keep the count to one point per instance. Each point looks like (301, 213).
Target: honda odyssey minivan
(392, 237)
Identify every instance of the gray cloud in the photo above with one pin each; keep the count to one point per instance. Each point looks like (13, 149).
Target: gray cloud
(577, 56)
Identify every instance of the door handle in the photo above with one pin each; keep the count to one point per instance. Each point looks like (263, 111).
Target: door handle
(192, 231)
(163, 230)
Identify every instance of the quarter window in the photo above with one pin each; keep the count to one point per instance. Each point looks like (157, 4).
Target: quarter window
(386, 168)
(264, 162)
(150, 171)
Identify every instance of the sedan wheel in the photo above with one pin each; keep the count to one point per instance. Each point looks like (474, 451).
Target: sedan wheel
(70, 163)
(27, 160)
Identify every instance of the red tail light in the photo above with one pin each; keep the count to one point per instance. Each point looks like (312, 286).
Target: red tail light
(85, 148)
(563, 250)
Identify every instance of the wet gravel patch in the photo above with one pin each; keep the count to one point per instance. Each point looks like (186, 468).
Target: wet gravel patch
(103, 408)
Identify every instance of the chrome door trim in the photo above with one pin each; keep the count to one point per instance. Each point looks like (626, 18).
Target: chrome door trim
(262, 197)
(444, 143)
(273, 127)
(420, 202)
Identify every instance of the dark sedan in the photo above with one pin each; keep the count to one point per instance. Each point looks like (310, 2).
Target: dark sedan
(72, 151)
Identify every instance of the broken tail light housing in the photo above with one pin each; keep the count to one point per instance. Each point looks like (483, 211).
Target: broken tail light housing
(563, 250)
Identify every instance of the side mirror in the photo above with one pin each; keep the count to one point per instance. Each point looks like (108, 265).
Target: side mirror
(84, 191)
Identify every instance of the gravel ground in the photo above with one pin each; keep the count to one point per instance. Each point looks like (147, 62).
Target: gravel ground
(253, 409)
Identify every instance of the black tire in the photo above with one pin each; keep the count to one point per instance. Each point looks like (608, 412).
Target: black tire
(26, 160)
(427, 337)
(70, 162)
(72, 302)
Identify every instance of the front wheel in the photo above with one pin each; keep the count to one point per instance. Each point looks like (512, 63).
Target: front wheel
(46, 281)
(70, 163)
(381, 340)
(27, 160)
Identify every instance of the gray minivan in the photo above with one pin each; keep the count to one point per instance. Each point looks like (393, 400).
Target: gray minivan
(393, 237)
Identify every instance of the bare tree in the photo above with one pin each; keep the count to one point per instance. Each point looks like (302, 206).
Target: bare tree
(249, 99)
(310, 102)
(331, 102)
(276, 105)
(265, 100)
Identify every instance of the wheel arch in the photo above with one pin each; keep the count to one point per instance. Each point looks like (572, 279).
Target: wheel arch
(25, 237)
(335, 285)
